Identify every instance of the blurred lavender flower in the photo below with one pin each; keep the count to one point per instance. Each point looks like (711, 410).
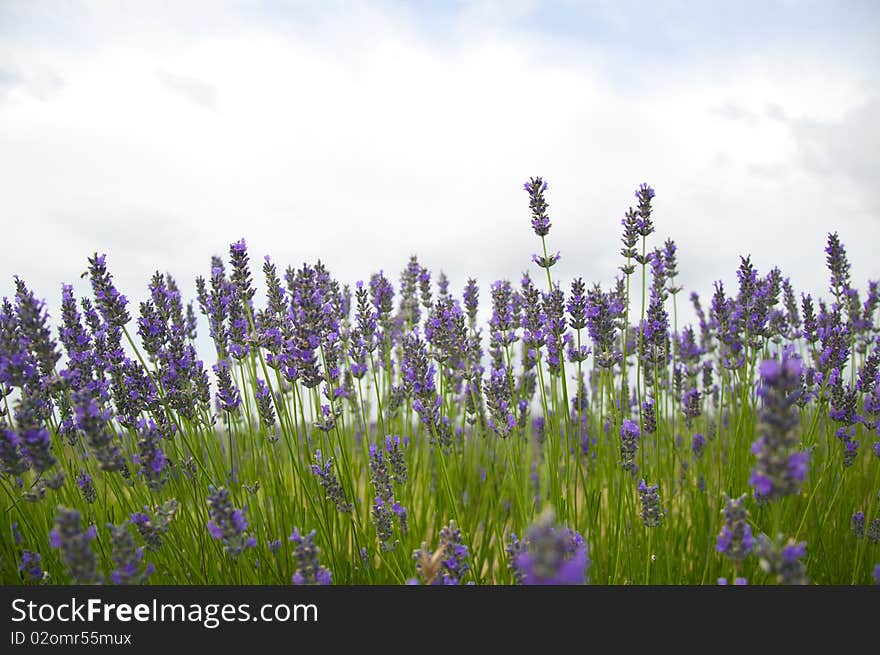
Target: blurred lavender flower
(780, 469)
(309, 570)
(549, 555)
(152, 530)
(858, 524)
(548, 261)
(698, 444)
(649, 416)
(151, 458)
(76, 553)
(691, 405)
(471, 297)
(739, 582)
(783, 560)
(84, 482)
(873, 531)
(30, 566)
(127, 560)
(448, 564)
(736, 540)
(12, 462)
(228, 524)
(97, 427)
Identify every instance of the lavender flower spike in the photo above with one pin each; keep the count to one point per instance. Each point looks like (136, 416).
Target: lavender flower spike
(536, 187)
(550, 555)
(76, 553)
(735, 540)
(228, 524)
(779, 469)
(309, 570)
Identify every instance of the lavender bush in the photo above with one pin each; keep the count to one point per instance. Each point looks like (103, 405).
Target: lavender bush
(376, 432)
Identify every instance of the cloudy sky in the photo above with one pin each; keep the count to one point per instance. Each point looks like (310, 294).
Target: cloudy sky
(362, 132)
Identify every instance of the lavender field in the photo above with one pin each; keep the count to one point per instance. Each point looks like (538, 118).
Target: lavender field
(378, 432)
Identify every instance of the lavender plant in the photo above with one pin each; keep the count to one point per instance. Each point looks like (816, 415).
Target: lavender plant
(398, 410)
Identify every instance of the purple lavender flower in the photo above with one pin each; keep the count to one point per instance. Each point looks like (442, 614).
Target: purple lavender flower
(645, 194)
(127, 559)
(550, 555)
(448, 564)
(629, 444)
(382, 297)
(698, 444)
(739, 582)
(309, 570)
(445, 331)
(228, 524)
(396, 462)
(76, 553)
(418, 374)
(654, 344)
(228, 398)
(30, 566)
(649, 416)
(379, 474)
(36, 446)
(471, 299)
(110, 302)
(33, 329)
(409, 311)
(783, 560)
(779, 469)
(548, 261)
(691, 405)
(84, 482)
(151, 458)
(328, 480)
(603, 312)
(241, 276)
(838, 265)
(873, 531)
(877, 574)
(12, 461)
(385, 507)
(96, 426)
(265, 407)
(499, 401)
(536, 187)
(152, 530)
(858, 524)
(652, 513)
(630, 238)
(735, 540)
